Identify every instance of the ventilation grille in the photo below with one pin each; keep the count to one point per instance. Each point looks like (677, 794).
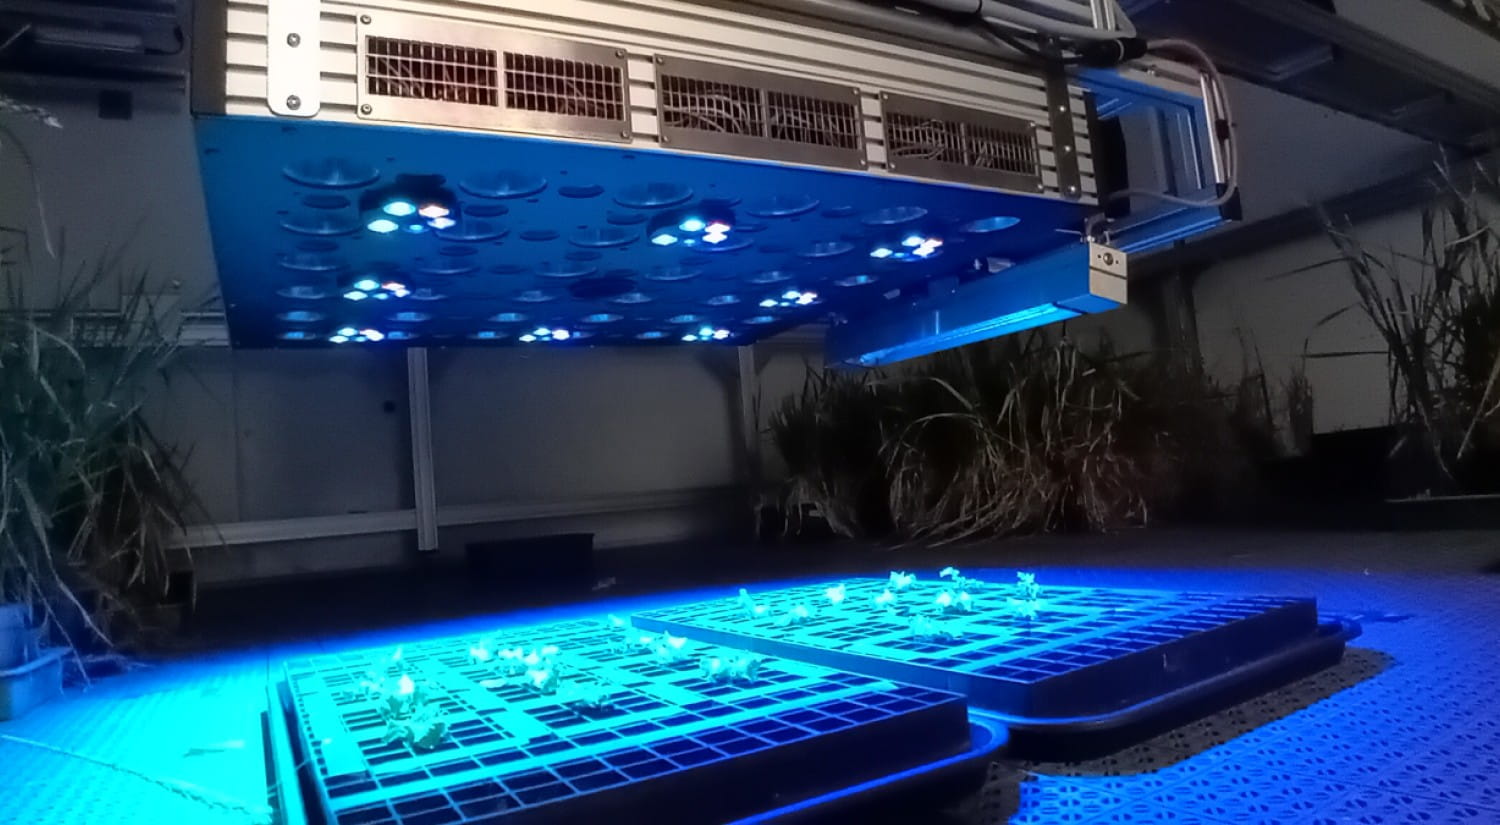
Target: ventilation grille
(431, 71)
(553, 85)
(451, 74)
(929, 139)
(712, 108)
(947, 141)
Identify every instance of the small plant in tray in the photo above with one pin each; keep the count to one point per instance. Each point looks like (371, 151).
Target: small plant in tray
(411, 713)
(743, 668)
(1027, 603)
(925, 628)
(749, 606)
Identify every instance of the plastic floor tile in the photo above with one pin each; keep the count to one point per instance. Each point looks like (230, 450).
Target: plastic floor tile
(1404, 730)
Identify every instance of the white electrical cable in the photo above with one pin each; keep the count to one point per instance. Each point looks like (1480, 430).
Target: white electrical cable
(1002, 12)
(1232, 141)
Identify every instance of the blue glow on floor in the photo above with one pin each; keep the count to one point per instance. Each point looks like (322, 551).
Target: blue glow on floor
(1403, 731)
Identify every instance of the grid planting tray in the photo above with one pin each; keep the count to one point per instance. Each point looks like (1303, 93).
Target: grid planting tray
(676, 746)
(1087, 654)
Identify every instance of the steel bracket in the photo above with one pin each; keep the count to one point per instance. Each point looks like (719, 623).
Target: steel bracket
(293, 47)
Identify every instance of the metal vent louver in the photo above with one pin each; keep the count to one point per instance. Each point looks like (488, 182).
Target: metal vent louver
(928, 139)
(708, 107)
(451, 74)
(431, 71)
(536, 83)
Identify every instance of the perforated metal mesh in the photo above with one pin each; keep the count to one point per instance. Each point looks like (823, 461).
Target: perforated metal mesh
(690, 103)
(553, 85)
(736, 109)
(974, 145)
(812, 120)
(431, 71)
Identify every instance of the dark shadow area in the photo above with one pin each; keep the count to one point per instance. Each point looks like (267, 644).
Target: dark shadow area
(1358, 665)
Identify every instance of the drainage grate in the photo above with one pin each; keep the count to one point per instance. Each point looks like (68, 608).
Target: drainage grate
(712, 108)
(431, 71)
(535, 83)
(928, 139)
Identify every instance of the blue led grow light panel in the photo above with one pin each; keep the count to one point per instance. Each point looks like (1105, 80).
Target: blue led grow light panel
(1087, 651)
(331, 234)
(515, 754)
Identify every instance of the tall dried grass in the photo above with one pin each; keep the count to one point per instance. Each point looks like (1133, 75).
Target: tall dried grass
(1020, 435)
(90, 497)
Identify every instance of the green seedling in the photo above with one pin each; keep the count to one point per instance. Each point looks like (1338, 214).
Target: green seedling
(928, 629)
(744, 668)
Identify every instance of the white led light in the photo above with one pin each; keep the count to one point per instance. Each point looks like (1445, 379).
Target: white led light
(373, 334)
(705, 332)
(715, 237)
(791, 295)
(721, 334)
(768, 303)
(367, 284)
(355, 295)
(389, 286)
(717, 228)
(690, 337)
(416, 228)
(399, 208)
(807, 298)
(528, 338)
(433, 210)
(691, 225)
(664, 239)
(382, 225)
(933, 242)
(338, 339)
(561, 335)
(881, 252)
(381, 296)
(542, 332)
(441, 223)
(348, 331)
(913, 240)
(923, 251)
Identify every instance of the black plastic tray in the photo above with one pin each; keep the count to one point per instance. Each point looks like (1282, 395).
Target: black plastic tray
(678, 749)
(1095, 669)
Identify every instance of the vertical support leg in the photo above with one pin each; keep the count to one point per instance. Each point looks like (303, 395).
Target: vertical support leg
(749, 397)
(424, 488)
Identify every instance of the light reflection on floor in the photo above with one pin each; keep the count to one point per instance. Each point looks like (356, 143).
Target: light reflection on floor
(1405, 730)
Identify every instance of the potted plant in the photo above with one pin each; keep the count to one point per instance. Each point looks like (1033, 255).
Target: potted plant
(1437, 313)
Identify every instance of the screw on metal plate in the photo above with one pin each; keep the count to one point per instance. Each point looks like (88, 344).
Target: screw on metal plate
(619, 52)
(1068, 149)
(625, 133)
(365, 19)
(366, 109)
(293, 102)
(294, 40)
(664, 139)
(1041, 187)
(660, 59)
